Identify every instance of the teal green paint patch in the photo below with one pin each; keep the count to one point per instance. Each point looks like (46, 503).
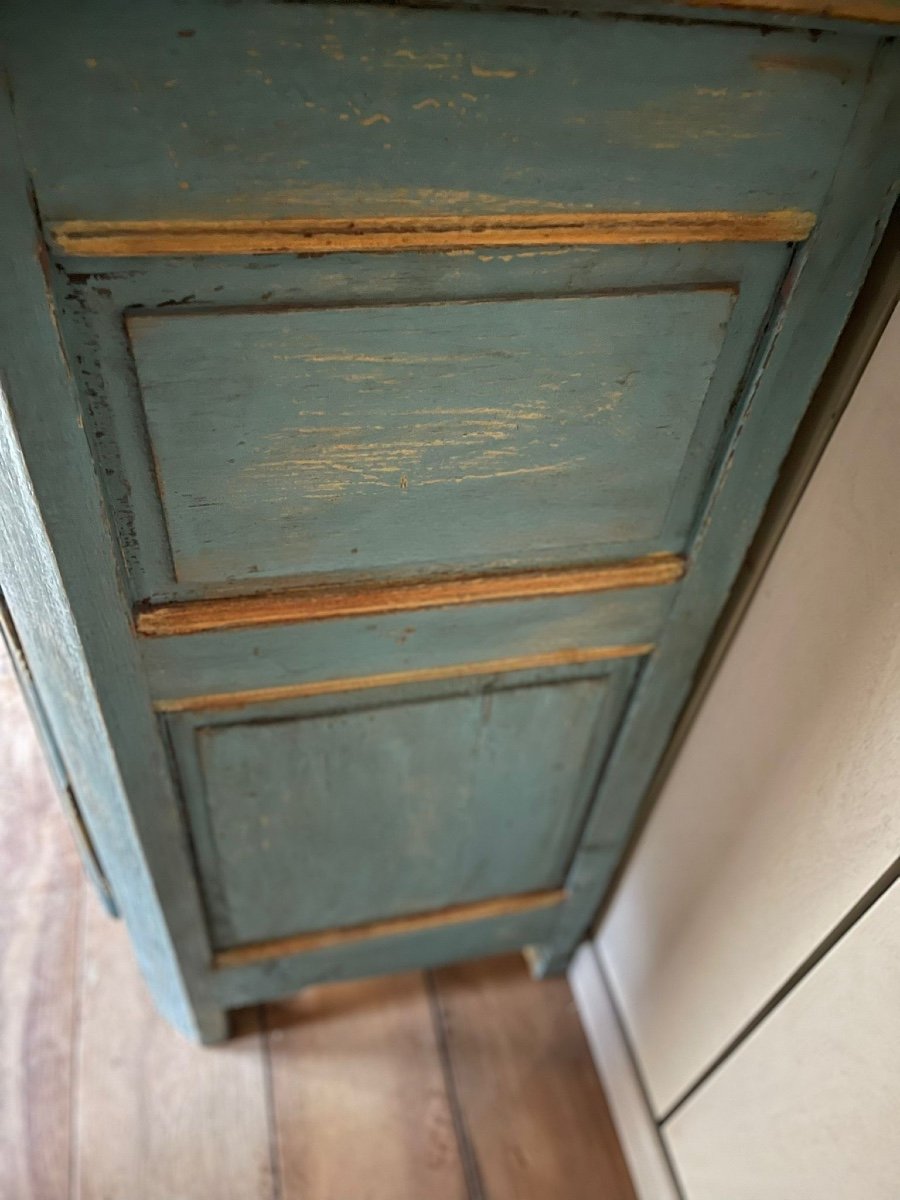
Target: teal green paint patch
(398, 437)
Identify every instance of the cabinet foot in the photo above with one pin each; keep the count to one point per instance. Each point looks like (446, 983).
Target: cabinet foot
(545, 962)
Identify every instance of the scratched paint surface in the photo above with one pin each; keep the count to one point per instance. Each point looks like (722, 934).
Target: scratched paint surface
(196, 110)
(331, 818)
(414, 435)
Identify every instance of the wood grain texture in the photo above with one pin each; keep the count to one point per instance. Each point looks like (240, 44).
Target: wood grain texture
(818, 292)
(359, 1088)
(816, 15)
(315, 817)
(60, 580)
(419, 437)
(92, 303)
(320, 603)
(326, 939)
(359, 1100)
(136, 239)
(567, 116)
(54, 763)
(879, 11)
(540, 113)
(331, 812)
(36, 851)
(327, 687)
(41, 896)
(222, 663)
(275, 978)
(157, 1116)
(533, 1109)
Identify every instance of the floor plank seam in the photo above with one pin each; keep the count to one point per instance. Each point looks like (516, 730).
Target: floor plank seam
(467, 1155)
(271, 1116)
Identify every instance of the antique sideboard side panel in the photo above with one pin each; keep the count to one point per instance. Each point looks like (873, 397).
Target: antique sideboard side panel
(145, 848)
(816, 298)
(59, 578)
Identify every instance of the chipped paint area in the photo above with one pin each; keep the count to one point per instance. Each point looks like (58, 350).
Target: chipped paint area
(705, 118)
(436, 446)
(335, 196)
(492, 72)
(367, 437)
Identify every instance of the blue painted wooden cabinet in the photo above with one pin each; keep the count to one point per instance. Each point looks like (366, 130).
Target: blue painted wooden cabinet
(390, 396)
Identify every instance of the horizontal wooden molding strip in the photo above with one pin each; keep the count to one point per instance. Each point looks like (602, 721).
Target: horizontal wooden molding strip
(884, 12)
(319, 603)
(357, 683)
(325, 235)
(327, 939)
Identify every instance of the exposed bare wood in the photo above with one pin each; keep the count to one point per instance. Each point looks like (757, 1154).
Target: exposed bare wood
(885, 12)
(303, 943)
(356, 683)
(325, 235)
(320, 603)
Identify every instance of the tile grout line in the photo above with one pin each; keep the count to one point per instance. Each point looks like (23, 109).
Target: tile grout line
(269, 1089)
(73, 1188)
(826, 944)
(468, 1158)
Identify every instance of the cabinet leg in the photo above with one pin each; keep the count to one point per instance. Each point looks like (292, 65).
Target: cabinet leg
(212, 1026)
(545, 962)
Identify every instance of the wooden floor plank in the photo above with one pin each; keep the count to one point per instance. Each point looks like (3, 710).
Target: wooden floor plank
(534, 1112)
(363, 1091)
(38, 971)
(159, 1118)
(40, 904)
(360, 1106)
(37, 851)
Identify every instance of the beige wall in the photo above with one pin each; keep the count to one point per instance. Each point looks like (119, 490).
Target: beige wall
(784, 805)
(807, 1108)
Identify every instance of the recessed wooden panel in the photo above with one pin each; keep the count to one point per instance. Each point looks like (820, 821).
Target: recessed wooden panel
(116, 422)
(402, 436)
(332, 815)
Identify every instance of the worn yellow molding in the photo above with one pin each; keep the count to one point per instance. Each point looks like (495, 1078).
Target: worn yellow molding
(319, 603)
(326, 939)
(326, 235)
(357, 683)
(883, 12)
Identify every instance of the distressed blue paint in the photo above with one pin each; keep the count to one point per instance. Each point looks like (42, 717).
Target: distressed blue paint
(293, 109)
(784, 373)
(58, 578)
(453, 435)
(123, 118)
(286, 655)
(325, 812)
(92, 312)
(252, 982)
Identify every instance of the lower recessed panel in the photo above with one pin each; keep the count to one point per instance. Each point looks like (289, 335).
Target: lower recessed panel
(340, 810)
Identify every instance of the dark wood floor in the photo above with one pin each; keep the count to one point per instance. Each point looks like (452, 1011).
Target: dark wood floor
(470, 1083)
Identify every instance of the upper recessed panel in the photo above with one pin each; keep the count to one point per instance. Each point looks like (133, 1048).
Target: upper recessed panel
(195, 110)
(401, 437)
